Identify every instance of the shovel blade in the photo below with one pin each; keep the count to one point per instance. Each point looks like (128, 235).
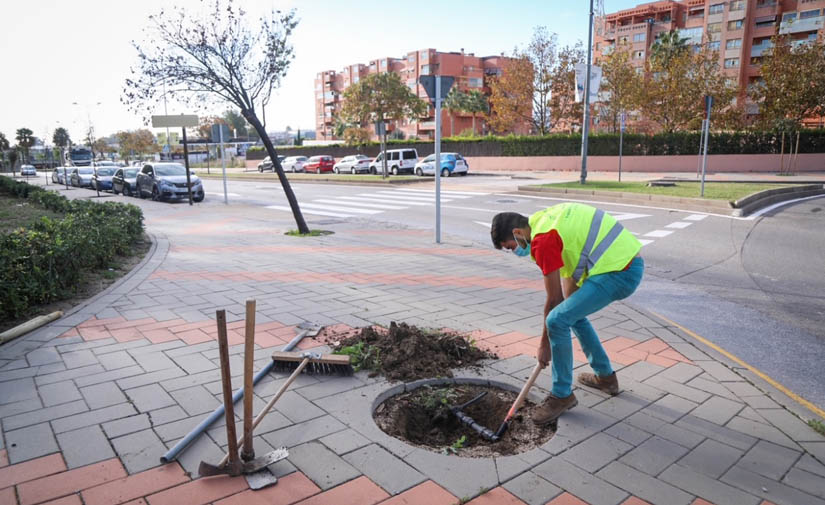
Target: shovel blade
(208, 470)
(260, 479)
(263, 461)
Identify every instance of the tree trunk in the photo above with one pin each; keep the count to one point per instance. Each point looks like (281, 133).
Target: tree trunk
(273, 155)
(452, 130)
(474, 124)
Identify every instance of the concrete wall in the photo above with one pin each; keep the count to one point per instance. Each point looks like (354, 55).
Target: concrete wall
(716, 163)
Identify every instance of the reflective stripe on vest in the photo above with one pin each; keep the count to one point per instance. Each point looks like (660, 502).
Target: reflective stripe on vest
(589, 255)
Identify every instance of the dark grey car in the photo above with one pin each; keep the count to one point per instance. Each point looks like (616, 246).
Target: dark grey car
(125, 181)
(167, 181)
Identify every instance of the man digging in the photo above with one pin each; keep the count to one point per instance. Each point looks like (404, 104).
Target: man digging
(588, 261)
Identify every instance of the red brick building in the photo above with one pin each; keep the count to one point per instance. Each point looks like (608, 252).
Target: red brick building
(470, 72)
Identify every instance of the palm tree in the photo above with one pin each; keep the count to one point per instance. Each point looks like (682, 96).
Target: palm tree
(476, 104)
(25, 139)
(4, 146)
(61, 139)
(666, 46)
(454, 102)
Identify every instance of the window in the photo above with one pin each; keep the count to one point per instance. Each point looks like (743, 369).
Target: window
(765, 21)
(809, 14)
(732, 63)
(737, 5)
(393, 155)
(713, 46)
(424, 55)
(639, 37)
(716, 9)
(638, 55)
(789, 17)
(425, 70)
(733, 44)
(383, 63)
(409, 155)
(411, 58)
(735, 25)
(716, 27)
(474, 82)
(623, 40)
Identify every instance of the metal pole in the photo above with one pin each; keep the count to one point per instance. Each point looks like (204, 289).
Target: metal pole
(586, 119)
(166, 113)
(705, 154)
(438, 159)
(701, 146)
(621, 142)
(223, 166)
(186, 164)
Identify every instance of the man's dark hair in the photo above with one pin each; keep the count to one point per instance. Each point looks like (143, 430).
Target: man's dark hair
(503, 224)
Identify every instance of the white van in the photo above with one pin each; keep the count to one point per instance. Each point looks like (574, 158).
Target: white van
(398, 161)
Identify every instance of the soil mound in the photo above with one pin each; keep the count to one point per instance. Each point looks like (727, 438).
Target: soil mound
(422, 417)
(405, 353)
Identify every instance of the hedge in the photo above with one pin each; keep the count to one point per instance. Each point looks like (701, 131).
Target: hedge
(44, 263)
(602, 144)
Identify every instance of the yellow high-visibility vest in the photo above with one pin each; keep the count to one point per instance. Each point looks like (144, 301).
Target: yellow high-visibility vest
(594, 242)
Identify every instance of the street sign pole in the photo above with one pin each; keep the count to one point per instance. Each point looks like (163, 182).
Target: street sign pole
(701, 146)
(621, 143)
(223, 166)
(586, 119)
(708, 105)
(438, 159)
(186, 164)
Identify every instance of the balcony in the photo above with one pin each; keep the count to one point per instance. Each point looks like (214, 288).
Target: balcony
(802, 25)
(759, 49)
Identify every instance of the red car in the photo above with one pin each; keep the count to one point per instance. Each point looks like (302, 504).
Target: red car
(319, 164)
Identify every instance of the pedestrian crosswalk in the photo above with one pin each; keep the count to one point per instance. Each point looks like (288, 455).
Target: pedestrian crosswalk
(375, 202)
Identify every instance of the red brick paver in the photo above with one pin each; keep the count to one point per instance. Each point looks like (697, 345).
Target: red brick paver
(566, 499)
(426, 493)
(636, 501)
(700, 501)
(360, 491)
(4, 458)
(199, 492)
(32, 469)
(496, 496)
(290, 489)
(7, 496)
(135, 486)
(72, 499)
(72, 481)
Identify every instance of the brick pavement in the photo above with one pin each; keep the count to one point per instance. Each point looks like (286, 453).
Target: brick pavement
(89, 403)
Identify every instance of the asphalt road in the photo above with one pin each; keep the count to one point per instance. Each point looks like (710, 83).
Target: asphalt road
(754, 286)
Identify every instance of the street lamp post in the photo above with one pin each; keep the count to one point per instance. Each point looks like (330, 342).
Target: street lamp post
(586, 119)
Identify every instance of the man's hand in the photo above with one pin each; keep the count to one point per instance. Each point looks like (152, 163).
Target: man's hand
(544, 354)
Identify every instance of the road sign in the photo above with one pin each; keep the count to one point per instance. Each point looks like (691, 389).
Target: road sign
(182, 120)
(428, 82)
(216, 133)
(623, 121)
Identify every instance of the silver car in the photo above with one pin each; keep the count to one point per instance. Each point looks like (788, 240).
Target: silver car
(28, 170)
(294, 163)
(81, 177)
(354, 164)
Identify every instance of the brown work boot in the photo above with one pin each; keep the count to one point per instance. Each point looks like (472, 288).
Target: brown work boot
(609, 383)
(552, 408)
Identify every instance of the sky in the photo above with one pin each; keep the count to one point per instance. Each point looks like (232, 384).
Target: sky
(65, 62)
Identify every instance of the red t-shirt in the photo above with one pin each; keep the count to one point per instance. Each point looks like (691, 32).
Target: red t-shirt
(546, 250)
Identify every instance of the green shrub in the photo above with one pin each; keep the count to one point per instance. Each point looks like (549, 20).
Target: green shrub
(44, 263)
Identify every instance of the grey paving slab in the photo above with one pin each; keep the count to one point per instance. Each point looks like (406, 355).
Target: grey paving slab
(716, 432)
(654, 455)
(628, 433)
(707, 383)
(84, 446)
(670, 408)
(196, 363)
(711, 458)
(720, 371)
(718, 410)
(44, 414)
(59, 392)
(596, 452)
(679, 435)
(203, 448)
(139, 451)
(622, 405)
(532, 489)
(149, 397)
(93, 417)
(195, 400)
(643, 485)
(592, 489)
(154, 361)
(43, 356)
(508, 467)
(463, 477)
(296, 408)
(304, 432)
(768, 489)
(167, 415)
(103, 395)
(30, 442)
(790, 425)
(769, 459)
(761, 430)
(17, 390)
(707, 487)
(74, 373)
(187, 381)
(325, 468)
(330, 386)
(112, 375)
(80, 358)
(116, 360)
(150, 378)
(126, 425)
(20, 407)
(344, 441)
(677, 388)
(383, 468)
(805, 481)
(809, 464)
(175, 429)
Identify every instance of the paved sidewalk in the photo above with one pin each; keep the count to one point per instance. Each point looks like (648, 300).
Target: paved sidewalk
(90, 402)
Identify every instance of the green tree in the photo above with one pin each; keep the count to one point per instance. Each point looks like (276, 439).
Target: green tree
(455, 102)
(236, 121)
(4, 142)
(619, 83)
(511, 96)
(136, 143)
(476, 103)
(25, 140)
(222, 57)
(565, 112)
(666, 46)
(381, 97)
(61, 139)
(542, 52)
(299, 141)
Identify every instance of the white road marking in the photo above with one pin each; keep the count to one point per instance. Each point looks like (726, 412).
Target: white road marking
(695, 217)
(221, 194)
(627, 216)
(486, 225)
(679, 225)
(389, 194)
(465, 194)
(381, 200)
(309, 211)
(332, 207)
(645, 242)
(368, 205)
(469, 208)
(658, 233)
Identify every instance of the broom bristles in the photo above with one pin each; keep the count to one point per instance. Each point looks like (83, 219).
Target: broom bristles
(319, 364)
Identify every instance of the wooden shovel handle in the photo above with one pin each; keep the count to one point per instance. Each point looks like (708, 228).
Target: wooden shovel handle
(248, 452)
(226, 382)
(523, 394)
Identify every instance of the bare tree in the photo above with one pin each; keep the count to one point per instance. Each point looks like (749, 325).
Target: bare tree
(218, 57)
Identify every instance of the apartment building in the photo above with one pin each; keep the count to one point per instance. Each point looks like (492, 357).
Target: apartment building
(740, 30)
(470, 72)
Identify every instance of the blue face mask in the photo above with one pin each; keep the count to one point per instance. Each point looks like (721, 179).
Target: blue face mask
(521, 251)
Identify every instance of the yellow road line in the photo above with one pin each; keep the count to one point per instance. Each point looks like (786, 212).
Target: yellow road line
(802, 401)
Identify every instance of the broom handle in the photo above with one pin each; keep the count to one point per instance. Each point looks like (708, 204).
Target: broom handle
(269, 405)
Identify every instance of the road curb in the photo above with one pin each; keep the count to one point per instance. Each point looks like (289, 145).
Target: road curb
(752, 203)
(319, 180)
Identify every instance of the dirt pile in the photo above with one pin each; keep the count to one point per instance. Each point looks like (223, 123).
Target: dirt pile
(405, 353)
(422, 417)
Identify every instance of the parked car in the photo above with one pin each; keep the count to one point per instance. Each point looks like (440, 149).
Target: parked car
(81, 177)
(106, 163)
(267, 164)
(319, 164)
(167, 181)
(28, 170)
(451, 164)
(354, 164)
(398, 161)
(102, 178)
(124, 181)
(59, 175)
(294, 163)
